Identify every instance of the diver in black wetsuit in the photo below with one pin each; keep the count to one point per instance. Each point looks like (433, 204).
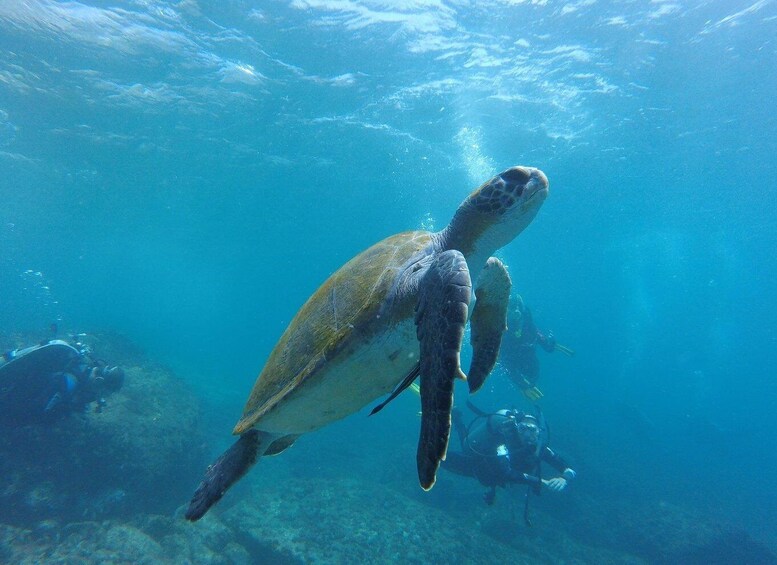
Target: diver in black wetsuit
(505, 448)
(48, 381)
(518, 350)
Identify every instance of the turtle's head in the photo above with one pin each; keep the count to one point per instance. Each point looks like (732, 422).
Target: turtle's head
(494, 214)
(512, 194)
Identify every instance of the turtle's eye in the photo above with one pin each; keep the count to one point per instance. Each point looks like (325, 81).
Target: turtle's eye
(515, 180)
(517, 175)
(495, 196)
(500, 194)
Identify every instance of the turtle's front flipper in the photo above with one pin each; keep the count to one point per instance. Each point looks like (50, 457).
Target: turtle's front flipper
(440, 318)
(224, 472)
(489, 320)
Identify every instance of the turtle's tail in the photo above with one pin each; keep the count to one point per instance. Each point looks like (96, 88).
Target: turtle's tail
(223, 473)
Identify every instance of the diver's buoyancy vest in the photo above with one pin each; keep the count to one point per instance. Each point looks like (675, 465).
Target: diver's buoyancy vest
(49, 357)
(483, 435)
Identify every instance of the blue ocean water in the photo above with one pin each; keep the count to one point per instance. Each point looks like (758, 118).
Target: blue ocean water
(188, 173)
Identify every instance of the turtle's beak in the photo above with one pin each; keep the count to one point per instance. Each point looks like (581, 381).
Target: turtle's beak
(537, 184)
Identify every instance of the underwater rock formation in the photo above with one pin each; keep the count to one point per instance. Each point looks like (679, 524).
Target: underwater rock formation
(666, 533)
(353, 521)
(294, 520)
(111, 487)
(129, 457)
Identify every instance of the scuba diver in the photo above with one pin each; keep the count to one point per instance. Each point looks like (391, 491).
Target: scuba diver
(506, 447)
(45, 382)
(518, 353)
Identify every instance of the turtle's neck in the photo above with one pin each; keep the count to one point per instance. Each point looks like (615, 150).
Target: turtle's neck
(476, 235)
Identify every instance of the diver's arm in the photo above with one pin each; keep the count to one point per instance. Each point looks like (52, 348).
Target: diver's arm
(61, 385)
(553, 459)
(557, 462)
(53, 402)
(512, 475)
(517, 477)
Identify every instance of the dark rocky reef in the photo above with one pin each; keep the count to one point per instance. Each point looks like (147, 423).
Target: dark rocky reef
(129, 457)
(112, 486)
(282, 517)
(294, 522)
(665, 533)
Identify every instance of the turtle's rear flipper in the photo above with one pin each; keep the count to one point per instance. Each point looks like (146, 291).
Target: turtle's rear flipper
(489, 320)
(223, 473)
(441, 315)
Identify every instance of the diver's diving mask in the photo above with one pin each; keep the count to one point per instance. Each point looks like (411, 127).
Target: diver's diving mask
(528, 430)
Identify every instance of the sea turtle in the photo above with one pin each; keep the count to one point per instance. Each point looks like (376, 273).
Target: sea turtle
(393, 313)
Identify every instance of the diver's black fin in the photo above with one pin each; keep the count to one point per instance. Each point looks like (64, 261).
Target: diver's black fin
(223, 473)
(406, 382)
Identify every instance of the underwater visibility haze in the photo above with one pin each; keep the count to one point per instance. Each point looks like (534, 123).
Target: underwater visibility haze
(177, 178)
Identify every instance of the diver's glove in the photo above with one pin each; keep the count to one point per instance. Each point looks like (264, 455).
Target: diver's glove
(568, 474)
(556, 485)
